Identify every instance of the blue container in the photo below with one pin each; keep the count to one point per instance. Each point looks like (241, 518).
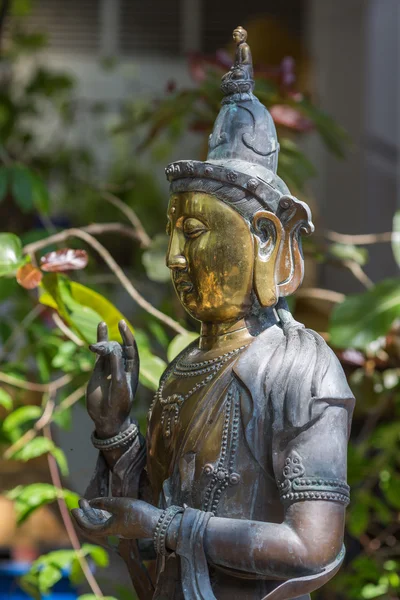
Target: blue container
(10, 572)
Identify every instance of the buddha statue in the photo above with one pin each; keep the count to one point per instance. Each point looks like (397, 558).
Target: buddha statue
(237, 490)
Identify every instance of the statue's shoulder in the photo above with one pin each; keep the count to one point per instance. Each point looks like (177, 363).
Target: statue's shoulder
(291, 357)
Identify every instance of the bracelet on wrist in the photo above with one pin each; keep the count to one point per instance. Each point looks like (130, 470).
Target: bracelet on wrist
(123, 438)
(161, 530)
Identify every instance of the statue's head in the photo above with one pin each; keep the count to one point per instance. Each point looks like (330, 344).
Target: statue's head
(239, 35)
(234, 227)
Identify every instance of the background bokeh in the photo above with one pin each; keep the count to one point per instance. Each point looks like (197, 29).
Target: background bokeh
(96, 97)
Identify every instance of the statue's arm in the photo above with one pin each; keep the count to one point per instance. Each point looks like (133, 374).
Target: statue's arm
(311, 534)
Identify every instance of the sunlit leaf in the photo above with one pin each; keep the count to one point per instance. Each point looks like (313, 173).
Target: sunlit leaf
(363, 318)
(28, 276)
(66, 259)
(396, 239)
(346, 252)
(11, 257)
(31, 497)
(48, 576)
(21, 416)
(179, 343)
(5, 399)
(154, 259)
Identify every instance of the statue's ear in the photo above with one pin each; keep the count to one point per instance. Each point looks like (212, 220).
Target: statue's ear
(268, 240)
(295, 217)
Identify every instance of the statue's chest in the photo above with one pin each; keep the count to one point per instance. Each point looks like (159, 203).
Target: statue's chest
(195, 439)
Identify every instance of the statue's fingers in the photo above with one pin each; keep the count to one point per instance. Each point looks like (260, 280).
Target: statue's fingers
(89, 525)
(108, 504)
(100, 348)
(126, 334)
(102, 332)
(117, 367)
(130, 348)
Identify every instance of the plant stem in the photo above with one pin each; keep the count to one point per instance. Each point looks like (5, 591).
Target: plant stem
(365, 239)
(66, 517)
(45, 420)
(145, 239)
(112, 264)
(36, 387)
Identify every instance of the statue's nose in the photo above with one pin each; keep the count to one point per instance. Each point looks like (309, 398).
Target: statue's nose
(175, 258)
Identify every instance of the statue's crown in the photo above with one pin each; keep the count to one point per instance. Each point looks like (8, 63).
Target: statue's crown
(243, 147)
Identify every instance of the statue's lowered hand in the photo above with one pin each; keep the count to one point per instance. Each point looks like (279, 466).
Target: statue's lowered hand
(123, 517)
(112, 386)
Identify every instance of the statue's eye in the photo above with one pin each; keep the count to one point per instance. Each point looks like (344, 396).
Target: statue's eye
(192, 228)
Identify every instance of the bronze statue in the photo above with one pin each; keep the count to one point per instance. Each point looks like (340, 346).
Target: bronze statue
(239, 490)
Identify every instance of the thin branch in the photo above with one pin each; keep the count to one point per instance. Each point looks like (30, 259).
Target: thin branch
(71, 399)
(49, 411)
(66, 517)
(27, 320)
(93, 229)
(145, 239)
(358, 273)
(36, 387)
(320, 294)
(363, 239)
(112, 264)
(66, 330)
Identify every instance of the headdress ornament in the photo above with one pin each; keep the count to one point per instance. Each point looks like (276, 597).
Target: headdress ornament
(242, 161)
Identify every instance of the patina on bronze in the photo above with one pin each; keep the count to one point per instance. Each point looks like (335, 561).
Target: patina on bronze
(239, 490)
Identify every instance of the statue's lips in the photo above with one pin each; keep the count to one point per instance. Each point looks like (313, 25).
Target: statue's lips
(183, 285)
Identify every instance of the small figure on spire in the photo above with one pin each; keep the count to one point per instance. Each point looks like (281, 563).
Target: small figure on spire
(240, 76)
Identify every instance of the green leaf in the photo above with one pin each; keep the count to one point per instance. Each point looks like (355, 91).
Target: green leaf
(154, 259)
(21, 8)
(345, 252)
(48, 577)
(151, 369)
(374, 591)
(81, 307)
(61, 459)
(41, 198)
(20, 416)
(179, 343)
(31, 497)
(21, 187)
(6, 400)
(11, 257)
(396, 240)
(358, 518)
(97, 553)
(3, 182)
(363, 318)
(34, 448)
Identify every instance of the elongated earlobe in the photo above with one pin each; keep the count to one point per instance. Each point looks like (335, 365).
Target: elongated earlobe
(268, 241)
(295, 217)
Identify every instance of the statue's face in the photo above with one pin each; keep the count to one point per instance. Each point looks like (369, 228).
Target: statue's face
(211, 257)
(238, 36)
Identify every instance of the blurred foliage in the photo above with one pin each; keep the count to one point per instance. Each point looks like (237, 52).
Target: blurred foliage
(47, 318)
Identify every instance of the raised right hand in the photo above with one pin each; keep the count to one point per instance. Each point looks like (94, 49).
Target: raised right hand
(112, 386)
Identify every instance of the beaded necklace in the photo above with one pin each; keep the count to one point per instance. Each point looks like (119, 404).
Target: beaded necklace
(171, 405)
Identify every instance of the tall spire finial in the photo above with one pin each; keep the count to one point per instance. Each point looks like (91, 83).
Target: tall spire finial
(239, 79)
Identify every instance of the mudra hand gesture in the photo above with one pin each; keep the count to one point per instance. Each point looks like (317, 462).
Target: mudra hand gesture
(114, 380)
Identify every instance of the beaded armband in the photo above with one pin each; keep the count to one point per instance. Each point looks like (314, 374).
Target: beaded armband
(117, 441)
(297, 486)
(161, 530)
